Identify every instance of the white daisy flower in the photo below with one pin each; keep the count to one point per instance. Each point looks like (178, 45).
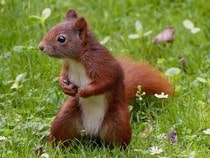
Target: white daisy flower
(155, 150)
(162, 95)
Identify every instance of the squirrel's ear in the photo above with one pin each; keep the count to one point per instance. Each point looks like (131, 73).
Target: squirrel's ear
(71, 14)
(80, 25)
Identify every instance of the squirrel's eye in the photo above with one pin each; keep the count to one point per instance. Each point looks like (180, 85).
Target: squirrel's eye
(61, 39)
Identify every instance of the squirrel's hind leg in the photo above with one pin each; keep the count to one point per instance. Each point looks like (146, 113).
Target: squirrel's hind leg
(116, 130)
(67, 124)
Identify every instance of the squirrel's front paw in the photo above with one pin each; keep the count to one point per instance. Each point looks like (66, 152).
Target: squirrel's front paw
(83, 93)
(69, 89)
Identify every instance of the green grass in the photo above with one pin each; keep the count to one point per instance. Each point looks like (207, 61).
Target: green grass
(27, 111)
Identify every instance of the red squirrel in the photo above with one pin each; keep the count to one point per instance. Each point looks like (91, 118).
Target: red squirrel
(100, 87)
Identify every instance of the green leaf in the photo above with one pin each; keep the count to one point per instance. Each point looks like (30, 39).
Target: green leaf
(160, 60)
(147, 33)
(192, 154)
(188, 24)
(20, 77)
(15, 85)
(46, 13)
(18, 48)
(138, 27)
(18, 80)
(172, 71)
(8, 132)
(105, 40)
(201, 80)
(130, 108)
(34, 17)
(195, 30)
(134, 36)
(2, 2)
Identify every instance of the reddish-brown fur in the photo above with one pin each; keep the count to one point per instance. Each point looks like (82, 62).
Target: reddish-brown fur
(143, 74)
(118, 81)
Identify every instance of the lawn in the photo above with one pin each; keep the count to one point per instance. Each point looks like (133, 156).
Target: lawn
(30, 95)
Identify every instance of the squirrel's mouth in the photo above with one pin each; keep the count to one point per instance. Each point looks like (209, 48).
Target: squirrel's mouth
(54, 55)
(49, 54)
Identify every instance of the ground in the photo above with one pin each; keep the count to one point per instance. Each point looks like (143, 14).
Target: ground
(30, 95)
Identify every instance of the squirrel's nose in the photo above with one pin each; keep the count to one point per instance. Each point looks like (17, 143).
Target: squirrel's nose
(41, 47)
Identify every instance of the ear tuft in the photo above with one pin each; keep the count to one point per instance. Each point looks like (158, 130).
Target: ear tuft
(80, 24)
(71, 14)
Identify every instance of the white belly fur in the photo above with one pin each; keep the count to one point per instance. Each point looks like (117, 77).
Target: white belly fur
(94, 107)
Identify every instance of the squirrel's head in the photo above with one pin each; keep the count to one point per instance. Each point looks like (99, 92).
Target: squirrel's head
(67, 38)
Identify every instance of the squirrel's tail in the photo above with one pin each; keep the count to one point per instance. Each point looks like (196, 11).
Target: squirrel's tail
(150, 79)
